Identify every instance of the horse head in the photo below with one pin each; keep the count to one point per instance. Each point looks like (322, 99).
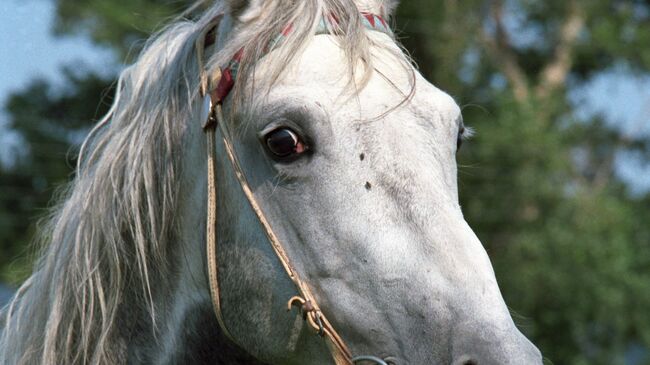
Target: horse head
(349, 155)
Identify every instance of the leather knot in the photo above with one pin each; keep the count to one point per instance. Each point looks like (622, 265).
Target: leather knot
(309, 313)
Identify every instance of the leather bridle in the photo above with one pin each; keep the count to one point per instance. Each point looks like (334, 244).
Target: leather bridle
(214, 89)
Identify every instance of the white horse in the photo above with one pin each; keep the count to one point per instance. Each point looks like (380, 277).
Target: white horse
(351, 156)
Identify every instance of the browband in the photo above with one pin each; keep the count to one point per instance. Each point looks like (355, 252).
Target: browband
(229, 73)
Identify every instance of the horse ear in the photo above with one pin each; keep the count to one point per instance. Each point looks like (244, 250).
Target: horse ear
(244, 9)
(235, 7)
(389, 7)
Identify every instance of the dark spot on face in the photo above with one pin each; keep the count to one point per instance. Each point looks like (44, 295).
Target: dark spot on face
(362, 156)
(368, 186)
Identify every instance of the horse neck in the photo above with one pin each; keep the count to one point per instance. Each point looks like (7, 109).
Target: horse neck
(187, 331)
(191, 335)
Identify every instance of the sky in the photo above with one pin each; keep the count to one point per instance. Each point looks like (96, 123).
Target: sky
(28, 50)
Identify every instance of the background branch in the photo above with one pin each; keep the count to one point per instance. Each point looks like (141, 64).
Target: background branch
(555, 73)
(500, 51)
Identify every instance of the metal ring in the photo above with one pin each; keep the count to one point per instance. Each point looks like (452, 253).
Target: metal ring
(374, 359)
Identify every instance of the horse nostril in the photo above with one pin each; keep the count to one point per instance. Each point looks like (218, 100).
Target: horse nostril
(470, 362)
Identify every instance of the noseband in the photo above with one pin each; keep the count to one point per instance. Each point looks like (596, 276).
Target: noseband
(215, 89)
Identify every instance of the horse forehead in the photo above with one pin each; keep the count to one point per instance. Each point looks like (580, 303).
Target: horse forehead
(321, 73)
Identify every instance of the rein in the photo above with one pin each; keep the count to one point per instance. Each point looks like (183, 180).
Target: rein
(214, 90)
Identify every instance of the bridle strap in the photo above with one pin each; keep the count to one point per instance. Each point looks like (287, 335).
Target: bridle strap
(211, 222)
(212, 90)
(211, 238)
(306, 300)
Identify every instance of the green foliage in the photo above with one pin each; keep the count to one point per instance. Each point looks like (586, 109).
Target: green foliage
(120, 24)
(570, 245)
(572, 260)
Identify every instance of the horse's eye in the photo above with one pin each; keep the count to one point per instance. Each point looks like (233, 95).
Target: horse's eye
(459, 139)
(284, 142)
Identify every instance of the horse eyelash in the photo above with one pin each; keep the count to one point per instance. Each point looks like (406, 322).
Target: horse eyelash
(468, 134)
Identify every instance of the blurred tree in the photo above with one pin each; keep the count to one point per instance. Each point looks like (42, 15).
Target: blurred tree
(569, 243)
(51, 123)
(120, 24)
